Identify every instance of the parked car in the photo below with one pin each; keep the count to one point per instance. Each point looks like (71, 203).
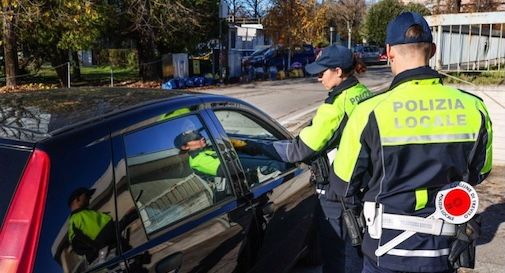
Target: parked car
(255, 57)
(304, 54)
(278, 56)
(383, 58)
(121, 143)
(370, 54)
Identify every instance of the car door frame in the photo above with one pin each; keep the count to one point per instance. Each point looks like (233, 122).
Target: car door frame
(258, 195)
(265, 121)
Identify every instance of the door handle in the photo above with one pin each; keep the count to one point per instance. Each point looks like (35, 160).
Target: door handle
(170, 264)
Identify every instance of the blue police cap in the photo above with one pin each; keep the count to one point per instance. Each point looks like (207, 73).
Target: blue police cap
(397, 28)
(78, 192)
(186, 137)
(331, 57)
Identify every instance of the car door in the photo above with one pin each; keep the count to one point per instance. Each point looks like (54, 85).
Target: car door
(281, 192)
(184, 220)
(79, 159)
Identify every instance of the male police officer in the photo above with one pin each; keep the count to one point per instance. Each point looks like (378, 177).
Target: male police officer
(205, 162)
(201, 158)
(88, 230)
(413, 140)
(335, 66)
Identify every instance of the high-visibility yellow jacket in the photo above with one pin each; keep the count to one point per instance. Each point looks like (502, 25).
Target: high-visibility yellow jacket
(401, 146)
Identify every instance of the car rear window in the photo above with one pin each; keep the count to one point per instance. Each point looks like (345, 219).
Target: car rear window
(12, 162)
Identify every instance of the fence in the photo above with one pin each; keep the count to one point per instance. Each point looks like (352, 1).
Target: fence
(468, 42)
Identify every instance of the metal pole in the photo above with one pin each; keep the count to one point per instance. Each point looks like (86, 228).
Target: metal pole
(469, 47)
(349, 31)
(111, 77)
(461, 51)
(68, 74)
(499, 47)
(488, 61)
(438, 57)
(332, 29)
(450, 42)
(220, 51)
(478, 47)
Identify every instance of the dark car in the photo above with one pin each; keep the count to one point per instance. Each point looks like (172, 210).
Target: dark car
(303, 54)
(370, 54)
(277, 56)
(120, 146)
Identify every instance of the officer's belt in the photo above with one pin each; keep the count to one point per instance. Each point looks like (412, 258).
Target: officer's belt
(418, 224)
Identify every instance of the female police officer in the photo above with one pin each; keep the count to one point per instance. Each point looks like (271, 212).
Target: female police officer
(335, 66)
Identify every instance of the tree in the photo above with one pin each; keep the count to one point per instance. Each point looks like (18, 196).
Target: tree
(52, 29)
(349, 13)
(457, 6)
(160, 25)
(289, 21)
(255, 8)
(380, 14)
(377, 19)
(9, 41)
(416, 7)
(236, 8)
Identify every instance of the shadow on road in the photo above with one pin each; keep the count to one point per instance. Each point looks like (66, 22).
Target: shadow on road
(492, 217)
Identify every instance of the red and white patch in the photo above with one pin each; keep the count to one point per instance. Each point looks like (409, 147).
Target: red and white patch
(456, 203)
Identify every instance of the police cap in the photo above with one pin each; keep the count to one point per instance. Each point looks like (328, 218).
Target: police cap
(397, 28)
(331, 57)
(78, 192)
(186, 137)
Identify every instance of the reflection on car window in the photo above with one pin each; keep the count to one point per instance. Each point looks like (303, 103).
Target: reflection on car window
(90, 229)
(258, 167)
(236, 123)
(174, 171)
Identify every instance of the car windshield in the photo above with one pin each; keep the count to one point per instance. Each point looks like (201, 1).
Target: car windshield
(260, 51)
(371, 49)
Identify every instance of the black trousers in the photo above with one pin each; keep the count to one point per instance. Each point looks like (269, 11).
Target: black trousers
(339, 256)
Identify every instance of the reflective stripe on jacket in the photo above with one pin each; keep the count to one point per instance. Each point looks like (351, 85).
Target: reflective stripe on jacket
(89, 222)
(411, 141)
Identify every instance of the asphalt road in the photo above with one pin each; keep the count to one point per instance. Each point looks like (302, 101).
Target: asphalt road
(293, 101)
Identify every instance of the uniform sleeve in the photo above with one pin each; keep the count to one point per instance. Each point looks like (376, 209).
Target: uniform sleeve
(329, 119)
(353, 156)
(482, 160)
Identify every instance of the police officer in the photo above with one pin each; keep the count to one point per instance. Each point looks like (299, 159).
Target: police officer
(412, 140)
(201, 158)
(335, 66)
(88, 230)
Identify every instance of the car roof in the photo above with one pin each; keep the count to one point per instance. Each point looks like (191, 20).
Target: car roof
(33, 116)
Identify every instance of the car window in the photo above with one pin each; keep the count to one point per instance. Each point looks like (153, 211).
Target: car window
(258, 167)
(79, 229)
(174, 171)
(259, 51)
(235, 123)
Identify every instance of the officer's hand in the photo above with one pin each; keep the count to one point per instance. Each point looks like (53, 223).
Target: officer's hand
(247, 147)
(252, 148)
(462, 251)
(238, 144)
